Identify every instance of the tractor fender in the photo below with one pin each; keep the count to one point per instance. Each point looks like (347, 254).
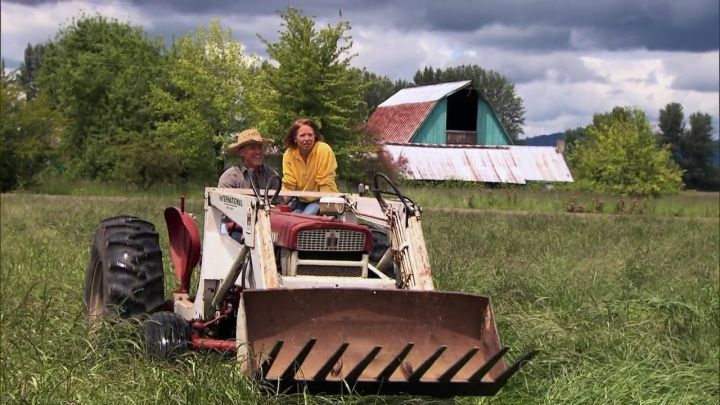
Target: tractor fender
(184, 240)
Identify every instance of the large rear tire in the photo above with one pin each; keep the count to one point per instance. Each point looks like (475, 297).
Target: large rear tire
(124, 275)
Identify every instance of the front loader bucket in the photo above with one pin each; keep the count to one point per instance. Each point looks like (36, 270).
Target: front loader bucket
(375, 342)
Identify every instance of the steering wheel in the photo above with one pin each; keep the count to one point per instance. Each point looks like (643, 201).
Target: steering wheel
(263, 199)
(378, 192)
(251, 177)
(277, 189)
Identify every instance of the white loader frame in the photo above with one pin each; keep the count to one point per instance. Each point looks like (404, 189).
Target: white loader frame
(223, 257)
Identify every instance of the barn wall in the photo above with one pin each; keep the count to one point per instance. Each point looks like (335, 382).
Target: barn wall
(489, 129)
(432, 131)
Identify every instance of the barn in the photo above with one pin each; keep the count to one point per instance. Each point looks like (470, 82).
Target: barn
(448, 131)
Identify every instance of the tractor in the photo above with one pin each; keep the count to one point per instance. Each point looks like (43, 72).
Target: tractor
(343, 301)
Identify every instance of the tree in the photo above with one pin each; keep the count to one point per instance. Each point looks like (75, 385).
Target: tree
(573, 137)
(672, 127)
(494, 87)
(29, 133)
(313, 78)
(379, 89)
(696, 153)
(97, 73)
(620, 155)
(29, 69)
(202, 103)
(692, 149)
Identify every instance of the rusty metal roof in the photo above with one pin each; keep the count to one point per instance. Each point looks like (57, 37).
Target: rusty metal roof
(397, 118)
(424, 94)
(397, 124)
(490, 164)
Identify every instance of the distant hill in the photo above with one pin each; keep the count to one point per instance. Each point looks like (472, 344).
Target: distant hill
(543, 140)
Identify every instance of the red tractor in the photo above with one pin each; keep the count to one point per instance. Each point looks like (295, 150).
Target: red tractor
(343, 301)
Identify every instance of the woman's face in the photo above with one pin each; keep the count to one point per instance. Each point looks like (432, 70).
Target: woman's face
(305, 139)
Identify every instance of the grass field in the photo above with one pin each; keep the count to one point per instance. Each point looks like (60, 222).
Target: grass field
(625, 309)
(537, 199)
(531, 198)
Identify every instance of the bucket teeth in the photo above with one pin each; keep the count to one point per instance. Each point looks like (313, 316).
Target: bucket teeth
(395, 363)
(425, 366)
(446, 385)
(505, 376)
(295, 365)
(265, 367)
(450, 373)
(325, 369)
(480, 373)
(353, 375)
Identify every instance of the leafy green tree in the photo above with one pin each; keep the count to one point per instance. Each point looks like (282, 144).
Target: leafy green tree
(691, 148)
(313, 78)
(672, 126)
(97, 73)
(494, 87)
(620, 155)
(29, 133)
(428, 76)
(574, 137)
(696, 153)
(29, 69)
(202, 103)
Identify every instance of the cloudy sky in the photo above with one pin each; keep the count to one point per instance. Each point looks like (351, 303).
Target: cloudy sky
(568, 58)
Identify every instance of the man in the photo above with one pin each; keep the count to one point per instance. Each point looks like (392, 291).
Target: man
(250, 147)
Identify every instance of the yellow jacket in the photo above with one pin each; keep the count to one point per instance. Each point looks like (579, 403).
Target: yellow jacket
(315, 174)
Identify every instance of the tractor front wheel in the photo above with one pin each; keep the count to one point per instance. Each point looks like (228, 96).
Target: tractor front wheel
(125, 273)
(166, 335)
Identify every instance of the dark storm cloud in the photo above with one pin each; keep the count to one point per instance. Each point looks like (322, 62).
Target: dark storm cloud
(318, 8)
(704, 83)
(655, 25)
(688, 25)
(687, 76)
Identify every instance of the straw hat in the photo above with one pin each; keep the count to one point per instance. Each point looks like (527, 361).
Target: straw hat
(246, 137)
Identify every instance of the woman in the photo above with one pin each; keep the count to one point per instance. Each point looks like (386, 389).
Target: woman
(308, 164)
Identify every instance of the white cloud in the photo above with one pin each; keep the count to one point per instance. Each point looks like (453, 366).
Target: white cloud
(22, 24)
(396, 54)
(639, 79)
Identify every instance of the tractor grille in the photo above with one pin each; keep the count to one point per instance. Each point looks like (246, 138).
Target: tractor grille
(329, 271)
(335, 240)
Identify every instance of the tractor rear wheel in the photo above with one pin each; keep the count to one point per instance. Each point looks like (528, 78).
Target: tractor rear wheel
(166, 335)
(125, 273)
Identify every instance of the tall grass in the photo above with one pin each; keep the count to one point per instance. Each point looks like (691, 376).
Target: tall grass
(625, 309)
(538, 199)
(59, 185)
(531, 198)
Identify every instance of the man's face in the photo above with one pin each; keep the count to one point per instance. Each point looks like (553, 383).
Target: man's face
(252, 155)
